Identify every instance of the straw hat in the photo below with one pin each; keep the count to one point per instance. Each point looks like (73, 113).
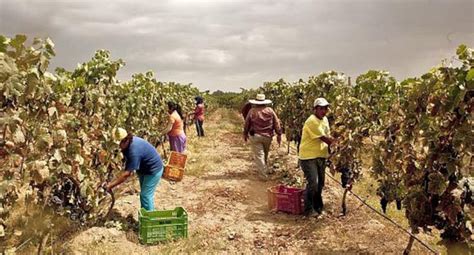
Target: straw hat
(260, 100)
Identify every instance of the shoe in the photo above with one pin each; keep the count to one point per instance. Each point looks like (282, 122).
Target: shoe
(319, 210)
(263, 176)
(309, 213)
(270, 171)
(321, 215)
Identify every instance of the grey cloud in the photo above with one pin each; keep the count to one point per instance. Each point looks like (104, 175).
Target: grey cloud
(231, 44)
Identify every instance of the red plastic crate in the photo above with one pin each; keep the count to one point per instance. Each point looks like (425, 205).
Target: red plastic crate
(286, 199)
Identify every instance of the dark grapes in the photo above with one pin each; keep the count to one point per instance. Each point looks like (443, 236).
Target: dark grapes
(399, 204)
(383, 203)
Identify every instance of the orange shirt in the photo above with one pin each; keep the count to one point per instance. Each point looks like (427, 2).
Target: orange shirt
(177, 122)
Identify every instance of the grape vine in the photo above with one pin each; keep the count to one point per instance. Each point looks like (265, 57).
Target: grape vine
(55, 140)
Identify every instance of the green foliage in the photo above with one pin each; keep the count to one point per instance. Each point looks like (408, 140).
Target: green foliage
(55, 129)
(419, 132)
(56, 138)
(428, 146)
(225, 99)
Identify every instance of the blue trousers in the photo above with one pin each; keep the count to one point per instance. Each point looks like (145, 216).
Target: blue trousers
(148, 185)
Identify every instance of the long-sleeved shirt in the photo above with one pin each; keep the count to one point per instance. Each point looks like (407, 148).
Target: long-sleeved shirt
(262, 121)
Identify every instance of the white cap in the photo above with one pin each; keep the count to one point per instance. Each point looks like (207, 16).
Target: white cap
(320, 102)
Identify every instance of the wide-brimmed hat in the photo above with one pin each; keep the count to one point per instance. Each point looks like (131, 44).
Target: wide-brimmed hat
(260, 99)
(118, 134)
(320, 102)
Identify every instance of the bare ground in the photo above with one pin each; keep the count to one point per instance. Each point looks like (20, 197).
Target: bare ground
(228, 213)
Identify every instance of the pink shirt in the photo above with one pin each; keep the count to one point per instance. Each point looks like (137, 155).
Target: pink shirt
(199, 112)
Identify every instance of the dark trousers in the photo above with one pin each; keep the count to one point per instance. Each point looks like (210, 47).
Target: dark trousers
(200, 130)
(314, 173)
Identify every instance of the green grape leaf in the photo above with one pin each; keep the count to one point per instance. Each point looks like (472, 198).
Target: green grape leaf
(437, 183)
(4, 41)
(470, 75)
(462, 51)
(18, 41)
(18, 136)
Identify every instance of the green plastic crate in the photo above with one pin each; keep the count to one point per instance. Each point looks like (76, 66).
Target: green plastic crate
(156, 226)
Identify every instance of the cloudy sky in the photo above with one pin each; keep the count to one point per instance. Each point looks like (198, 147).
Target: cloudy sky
(228, 44)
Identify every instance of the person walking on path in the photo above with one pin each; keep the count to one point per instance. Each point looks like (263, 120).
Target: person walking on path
(175, 128)
(199, 115)
(140, 157)
(260, 125)
(314, 150)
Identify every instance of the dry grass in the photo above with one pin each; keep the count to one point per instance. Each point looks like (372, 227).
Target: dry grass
(197, 243)
(201, 150)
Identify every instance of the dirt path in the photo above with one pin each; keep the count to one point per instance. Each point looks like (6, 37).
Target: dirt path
(228, 213)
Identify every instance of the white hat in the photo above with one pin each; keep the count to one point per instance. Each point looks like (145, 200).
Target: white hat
(320, 102)
(260, 99)
(118, 134)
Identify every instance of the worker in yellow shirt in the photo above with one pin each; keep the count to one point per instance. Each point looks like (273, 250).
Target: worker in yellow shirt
(314, 150)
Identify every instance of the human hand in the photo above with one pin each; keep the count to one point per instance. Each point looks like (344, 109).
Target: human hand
(158, 142)
(279, 140)
(108, 188)
(349, 186)
(103, 187)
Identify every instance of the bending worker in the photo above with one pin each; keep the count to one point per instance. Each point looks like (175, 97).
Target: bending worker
(140, 157)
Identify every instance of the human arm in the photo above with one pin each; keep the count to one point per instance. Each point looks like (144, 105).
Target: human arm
(277, 127)
(169, 126)
(167, 129)
(123, 176)
(245, 109)
(247, 125)
(320, 130)
(193, 113)
(328, 140)
(132, 163)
